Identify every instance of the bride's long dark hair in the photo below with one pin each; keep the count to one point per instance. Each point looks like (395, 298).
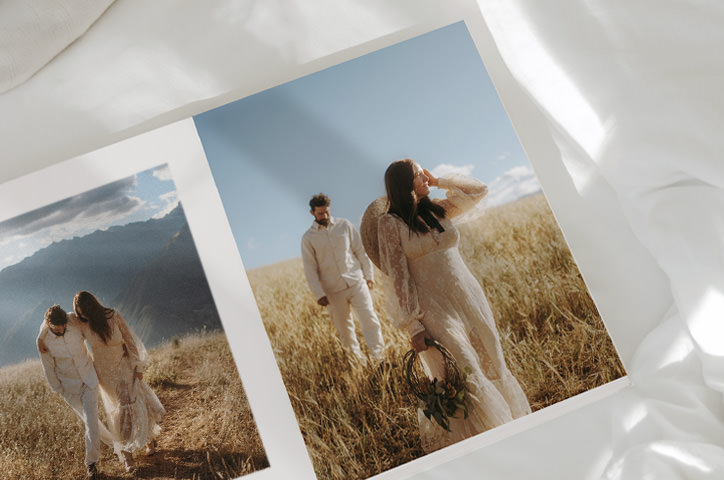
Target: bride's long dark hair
(420, 214)
(89, 309)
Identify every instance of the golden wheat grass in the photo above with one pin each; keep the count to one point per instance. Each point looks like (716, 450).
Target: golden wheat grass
(208, 432)
(360, 421)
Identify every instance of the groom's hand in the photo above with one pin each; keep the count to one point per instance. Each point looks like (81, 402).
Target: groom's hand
(323, 301)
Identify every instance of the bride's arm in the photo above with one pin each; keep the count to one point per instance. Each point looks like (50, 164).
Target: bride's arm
(394, 263)
(136, 362)
(462, 193)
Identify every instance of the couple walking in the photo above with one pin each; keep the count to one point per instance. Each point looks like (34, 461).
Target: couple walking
(114, 366)
(431, 295)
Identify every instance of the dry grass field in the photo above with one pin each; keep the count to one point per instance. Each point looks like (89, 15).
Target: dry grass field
(208, 432)
(360, 421)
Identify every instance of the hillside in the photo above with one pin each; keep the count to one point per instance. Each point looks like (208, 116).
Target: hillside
(149, 270)
(170, 294)
(103, 261)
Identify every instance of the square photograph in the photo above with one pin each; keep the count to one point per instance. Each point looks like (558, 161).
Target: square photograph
(114, 362)
(411, 277)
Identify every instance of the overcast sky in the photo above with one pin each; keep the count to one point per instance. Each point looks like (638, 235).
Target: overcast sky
(139, 197)
(336, 131)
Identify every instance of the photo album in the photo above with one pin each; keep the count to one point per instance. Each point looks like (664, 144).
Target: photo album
(354, 274)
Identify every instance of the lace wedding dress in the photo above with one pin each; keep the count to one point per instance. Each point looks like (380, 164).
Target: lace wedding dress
(432, 289)
(132, 408)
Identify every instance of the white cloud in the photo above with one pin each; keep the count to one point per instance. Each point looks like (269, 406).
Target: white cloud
(91, 220)
(10, 260)
(89, 210)
(447, 169)
(170, 201)
(67, 218)
(23, 241)
(163, 173)
(516, 183)
(503, 156)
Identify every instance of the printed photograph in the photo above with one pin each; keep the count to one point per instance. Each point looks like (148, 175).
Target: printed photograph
(113, 360)
(410, 274)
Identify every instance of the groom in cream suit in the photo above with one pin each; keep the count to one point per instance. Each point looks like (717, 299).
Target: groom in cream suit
(69, 370)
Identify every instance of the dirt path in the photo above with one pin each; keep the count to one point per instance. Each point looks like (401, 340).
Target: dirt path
(173, 459)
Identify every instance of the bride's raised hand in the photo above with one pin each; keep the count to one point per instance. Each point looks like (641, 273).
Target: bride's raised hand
(431, 179)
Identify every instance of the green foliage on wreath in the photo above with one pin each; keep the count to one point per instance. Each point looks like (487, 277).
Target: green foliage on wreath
(439, 399)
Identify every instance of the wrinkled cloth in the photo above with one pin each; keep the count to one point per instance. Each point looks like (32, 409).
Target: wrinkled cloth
(32, 32)
(630, 93)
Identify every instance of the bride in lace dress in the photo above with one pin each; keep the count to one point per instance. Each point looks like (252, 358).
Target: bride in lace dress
(132, 408)
(435, 296)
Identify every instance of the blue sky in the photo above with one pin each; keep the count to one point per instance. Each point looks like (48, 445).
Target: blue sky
(148, 194)
(336, 131)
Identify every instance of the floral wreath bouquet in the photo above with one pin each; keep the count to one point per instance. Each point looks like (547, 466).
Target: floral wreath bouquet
(439, 399)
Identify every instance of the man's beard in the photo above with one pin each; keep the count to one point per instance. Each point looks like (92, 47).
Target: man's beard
(57, 334)
(323, 222)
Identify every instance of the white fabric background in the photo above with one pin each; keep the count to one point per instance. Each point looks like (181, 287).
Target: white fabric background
(32, 32)
(617, 104)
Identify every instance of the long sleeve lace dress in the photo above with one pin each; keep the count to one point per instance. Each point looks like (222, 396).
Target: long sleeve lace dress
(432, 289)
(132, 408)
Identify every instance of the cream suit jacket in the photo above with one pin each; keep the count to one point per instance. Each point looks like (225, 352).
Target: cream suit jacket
(67, 364)
(334, 258)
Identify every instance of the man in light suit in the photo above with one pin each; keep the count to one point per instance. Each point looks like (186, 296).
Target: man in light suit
(340, 276)
(69, 370)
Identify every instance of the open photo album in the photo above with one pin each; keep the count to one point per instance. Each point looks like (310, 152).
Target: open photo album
(354, 274)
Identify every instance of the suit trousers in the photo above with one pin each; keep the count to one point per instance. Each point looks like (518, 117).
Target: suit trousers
(85, 405)
(356, 298)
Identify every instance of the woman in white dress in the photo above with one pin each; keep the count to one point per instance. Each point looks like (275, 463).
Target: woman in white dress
(436, 296)
(132, 408)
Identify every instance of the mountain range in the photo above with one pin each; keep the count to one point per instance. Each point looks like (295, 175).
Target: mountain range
(150, 271)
